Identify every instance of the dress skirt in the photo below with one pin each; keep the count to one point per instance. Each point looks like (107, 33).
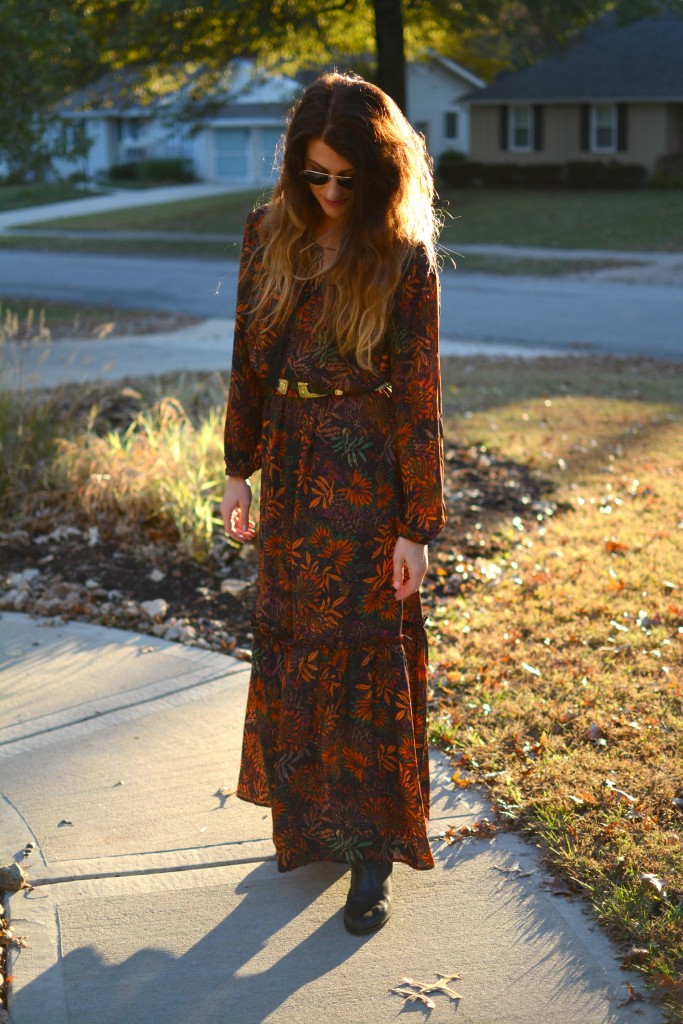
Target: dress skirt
(335, 738)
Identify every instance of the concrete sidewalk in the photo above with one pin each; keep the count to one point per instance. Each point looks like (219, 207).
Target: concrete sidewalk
(206, 346)
(157, 896)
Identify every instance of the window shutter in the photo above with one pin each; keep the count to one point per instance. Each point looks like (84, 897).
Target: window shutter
(585, 138)
(622, 127)
(504, 126)
(538, 127)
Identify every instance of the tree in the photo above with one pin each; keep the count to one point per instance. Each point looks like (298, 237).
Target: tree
(43, 51)
(49, 47)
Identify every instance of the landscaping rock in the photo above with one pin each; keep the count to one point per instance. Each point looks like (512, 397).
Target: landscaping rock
(156, 609)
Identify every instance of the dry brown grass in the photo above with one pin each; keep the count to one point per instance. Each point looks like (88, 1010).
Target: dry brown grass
(559, 681)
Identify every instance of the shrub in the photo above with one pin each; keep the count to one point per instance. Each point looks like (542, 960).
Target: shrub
(669, 171)
(602, 174)
(124, 172)
(455, 170)
(166, 169)
(173, 169)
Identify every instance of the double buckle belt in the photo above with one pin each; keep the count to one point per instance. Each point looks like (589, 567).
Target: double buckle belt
(303, 390)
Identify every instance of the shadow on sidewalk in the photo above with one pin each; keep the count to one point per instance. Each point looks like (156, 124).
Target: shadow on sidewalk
(241, 971)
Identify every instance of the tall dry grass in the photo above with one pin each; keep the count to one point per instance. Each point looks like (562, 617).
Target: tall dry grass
(162, 470)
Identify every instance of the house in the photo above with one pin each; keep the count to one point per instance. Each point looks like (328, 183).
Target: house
(235, 136)
(615, 95)
(435, 87)
(231, 136)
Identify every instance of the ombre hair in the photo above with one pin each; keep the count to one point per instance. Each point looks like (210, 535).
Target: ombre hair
(391, 213)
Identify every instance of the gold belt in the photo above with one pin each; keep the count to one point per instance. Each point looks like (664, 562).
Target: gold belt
(303, 391)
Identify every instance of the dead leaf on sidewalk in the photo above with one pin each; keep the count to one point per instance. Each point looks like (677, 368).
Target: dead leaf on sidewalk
(414, 997)
(557, 886)
(421, 991)
(631, 995)
(516, 869)
(223, 793)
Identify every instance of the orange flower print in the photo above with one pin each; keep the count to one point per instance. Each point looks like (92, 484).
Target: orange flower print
(358, 491)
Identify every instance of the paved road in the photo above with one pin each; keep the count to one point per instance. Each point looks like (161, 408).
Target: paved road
(604, 316)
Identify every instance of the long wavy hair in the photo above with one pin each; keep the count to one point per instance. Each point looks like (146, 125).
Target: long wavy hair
(391, 213)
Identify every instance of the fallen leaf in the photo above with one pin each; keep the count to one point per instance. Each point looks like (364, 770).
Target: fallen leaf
(462, 780)
(667, 987)
(635, 956)
(615, 546)
(481, 829)
(557, 886)
(631, 995)
(516, 869)
(223, 793)
(653, 880)
(414, 997)
(582, 797)
(64, 821)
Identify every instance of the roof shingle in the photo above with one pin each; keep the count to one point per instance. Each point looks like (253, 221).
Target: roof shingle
(641, 60)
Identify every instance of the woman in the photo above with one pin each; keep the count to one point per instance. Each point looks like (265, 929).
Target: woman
(335, 393)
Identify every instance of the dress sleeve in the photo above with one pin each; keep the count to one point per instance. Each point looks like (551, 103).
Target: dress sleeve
(416, 390)
(244, 413)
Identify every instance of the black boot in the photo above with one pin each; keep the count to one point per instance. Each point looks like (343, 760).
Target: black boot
(368, 904)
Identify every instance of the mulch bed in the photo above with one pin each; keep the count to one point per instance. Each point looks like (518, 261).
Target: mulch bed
(105, 580)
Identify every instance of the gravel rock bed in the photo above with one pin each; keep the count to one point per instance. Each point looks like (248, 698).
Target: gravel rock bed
(64, 569)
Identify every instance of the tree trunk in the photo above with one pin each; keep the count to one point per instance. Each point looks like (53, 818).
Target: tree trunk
(391, 62)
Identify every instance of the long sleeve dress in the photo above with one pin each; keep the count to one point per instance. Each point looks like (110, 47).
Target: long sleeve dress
(335, 735)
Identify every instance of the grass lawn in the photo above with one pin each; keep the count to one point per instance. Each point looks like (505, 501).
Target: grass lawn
(211, 215)
(646, 219)
(557, 671)
(17, 197)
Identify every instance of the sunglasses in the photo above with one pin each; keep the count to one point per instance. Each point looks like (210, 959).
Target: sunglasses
(321, 178)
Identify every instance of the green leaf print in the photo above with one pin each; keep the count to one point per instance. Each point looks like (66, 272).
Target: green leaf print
(351, 447)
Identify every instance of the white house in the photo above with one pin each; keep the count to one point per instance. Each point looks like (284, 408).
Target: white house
(236, 142)
(435, 86)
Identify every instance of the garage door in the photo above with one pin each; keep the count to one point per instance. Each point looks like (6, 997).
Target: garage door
(231, 149)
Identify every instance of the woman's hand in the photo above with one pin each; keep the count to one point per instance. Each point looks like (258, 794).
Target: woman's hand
(235, 509)
(410, 566)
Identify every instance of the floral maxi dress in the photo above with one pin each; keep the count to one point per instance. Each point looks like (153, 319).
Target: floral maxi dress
(335, 733)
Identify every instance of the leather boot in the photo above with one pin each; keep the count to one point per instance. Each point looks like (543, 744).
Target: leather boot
(368, 904)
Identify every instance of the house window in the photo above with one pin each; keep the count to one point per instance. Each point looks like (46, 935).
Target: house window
(521, 129)
(450, 124)
(603, 128)
(129, 129)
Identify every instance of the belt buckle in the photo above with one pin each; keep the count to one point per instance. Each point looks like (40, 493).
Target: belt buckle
(282, 385)
(302, 387)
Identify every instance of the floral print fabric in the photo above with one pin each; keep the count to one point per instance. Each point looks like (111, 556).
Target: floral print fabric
(335, 733)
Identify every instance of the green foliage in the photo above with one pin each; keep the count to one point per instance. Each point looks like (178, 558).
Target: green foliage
(47, 50)
(456, 171)
(44, 50)
(669, 171)
(157, 169)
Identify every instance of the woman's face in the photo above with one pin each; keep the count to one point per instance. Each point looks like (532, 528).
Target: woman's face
(334, 200)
